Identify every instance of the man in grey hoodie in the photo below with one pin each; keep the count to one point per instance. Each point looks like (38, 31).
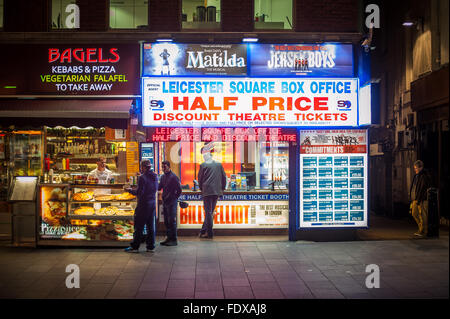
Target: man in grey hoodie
(212, 181)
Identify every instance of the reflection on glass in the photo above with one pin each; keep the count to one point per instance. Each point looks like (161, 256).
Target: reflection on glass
(128, 14)
(248, 165)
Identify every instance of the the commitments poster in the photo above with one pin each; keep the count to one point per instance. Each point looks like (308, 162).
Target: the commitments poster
(333, 178)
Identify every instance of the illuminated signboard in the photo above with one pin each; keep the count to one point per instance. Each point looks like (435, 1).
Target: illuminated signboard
(301, 60)
(179, 59)
(269, 102)
(238, 211)
(72, 69)
(333, 178)
(215, 134)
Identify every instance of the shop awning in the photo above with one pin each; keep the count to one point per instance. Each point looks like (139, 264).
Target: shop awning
(82, 113)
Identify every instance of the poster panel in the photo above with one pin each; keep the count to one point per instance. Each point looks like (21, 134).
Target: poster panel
(238, 211)
(301, 60)
(333, 178)
(181, 59)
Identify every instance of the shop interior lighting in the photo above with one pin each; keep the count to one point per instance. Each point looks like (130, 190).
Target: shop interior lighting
(164, 40)
(250, 40)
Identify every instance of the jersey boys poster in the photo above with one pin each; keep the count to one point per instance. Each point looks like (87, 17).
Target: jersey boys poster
(216, 102)
(333, 178)
(301, 60)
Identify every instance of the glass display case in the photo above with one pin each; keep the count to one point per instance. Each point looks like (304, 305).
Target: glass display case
(26, 148)
(87, 213)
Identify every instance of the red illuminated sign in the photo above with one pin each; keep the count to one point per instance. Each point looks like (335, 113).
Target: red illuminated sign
(209, 134)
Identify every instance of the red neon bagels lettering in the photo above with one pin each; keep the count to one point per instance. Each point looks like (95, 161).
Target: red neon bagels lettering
(82, 55)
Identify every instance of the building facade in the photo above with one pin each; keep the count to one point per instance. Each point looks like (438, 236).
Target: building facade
(410, 61)
(107, 27)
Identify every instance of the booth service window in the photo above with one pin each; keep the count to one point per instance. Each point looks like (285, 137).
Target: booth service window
(59, 13)
(201, 14)
(248, 165)
(273, 14)
(128, 14)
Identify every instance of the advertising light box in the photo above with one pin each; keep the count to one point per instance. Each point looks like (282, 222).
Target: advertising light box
(238, 211)
(268, 102)
(340, 158)
(182, 59)
(301, 60)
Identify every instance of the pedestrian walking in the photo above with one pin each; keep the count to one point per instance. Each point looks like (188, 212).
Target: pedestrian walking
(145, 212)
(418, 194)
(170, 184)
(212, 181)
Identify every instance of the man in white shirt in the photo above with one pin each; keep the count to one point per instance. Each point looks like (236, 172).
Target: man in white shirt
(101, 172)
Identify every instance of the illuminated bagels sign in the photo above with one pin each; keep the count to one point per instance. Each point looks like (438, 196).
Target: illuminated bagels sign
(219, 102)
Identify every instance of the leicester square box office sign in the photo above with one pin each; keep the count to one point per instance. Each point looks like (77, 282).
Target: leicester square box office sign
(74, 69)
(246, 102)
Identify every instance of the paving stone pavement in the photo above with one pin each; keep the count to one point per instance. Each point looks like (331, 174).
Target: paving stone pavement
(232, 269)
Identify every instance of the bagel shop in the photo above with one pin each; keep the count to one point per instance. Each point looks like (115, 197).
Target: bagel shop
(287, 122)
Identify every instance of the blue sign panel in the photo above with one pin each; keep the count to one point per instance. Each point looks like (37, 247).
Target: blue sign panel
(301, 60)
(181, 59)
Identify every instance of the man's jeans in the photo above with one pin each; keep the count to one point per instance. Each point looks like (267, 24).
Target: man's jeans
(170, 219)
(144, 216)
(209, 204)
(420, 214)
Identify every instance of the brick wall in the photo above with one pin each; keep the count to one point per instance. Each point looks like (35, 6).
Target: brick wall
(94, 15)
(26, 16)
(326, 16)
(164, 16)
(237, 15)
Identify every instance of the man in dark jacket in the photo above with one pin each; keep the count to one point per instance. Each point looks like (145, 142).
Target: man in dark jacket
(418, 194)
(212, 181)
(170, 184)
(145, 212)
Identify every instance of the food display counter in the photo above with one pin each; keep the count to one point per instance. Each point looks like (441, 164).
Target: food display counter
(85, 214)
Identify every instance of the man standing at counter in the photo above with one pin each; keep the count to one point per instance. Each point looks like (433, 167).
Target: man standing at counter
(170, 184)
(145, 212)
(101, 172)
(212, 181)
